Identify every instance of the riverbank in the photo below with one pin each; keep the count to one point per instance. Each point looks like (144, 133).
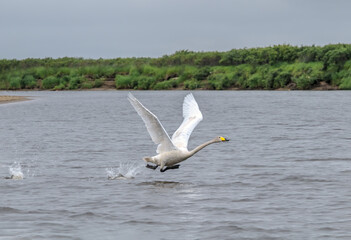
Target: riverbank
(269, 68)
(8, 99)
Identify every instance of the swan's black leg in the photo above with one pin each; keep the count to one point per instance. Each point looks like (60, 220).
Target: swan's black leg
(171, 167)
(174, 166)
(151, 167)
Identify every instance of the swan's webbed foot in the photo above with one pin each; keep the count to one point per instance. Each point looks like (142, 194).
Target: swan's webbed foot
(151, 166)
(171, 167)
(174, 166)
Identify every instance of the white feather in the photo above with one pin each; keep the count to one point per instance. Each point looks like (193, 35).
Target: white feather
(192, 116)
(171, 152)
(154, 127)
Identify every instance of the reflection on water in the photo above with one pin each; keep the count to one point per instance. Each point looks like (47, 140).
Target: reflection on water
(284, 174)
(162, 184)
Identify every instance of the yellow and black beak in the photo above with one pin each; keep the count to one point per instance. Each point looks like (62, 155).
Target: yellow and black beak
(224, 139)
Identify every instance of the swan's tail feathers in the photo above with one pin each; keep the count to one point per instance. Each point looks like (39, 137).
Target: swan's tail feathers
(151, 160)
(147, 159)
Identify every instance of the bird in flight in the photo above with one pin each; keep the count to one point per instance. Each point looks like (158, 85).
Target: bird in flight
(170, 152)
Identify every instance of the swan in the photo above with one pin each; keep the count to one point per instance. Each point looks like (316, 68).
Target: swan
(169, 151)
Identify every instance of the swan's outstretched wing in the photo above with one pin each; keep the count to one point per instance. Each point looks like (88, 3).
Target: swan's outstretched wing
(154, 127)
(192, 116)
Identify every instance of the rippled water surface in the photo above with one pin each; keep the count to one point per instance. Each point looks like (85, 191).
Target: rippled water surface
(285, 174)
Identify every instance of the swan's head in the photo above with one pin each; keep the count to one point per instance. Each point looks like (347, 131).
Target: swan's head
(221, 139)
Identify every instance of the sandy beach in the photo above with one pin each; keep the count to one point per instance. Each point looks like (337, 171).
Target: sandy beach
(7, 99)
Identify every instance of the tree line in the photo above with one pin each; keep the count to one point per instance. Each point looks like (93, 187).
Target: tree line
(274, 67)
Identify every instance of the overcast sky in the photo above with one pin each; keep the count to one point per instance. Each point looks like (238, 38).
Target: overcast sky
(153, 28)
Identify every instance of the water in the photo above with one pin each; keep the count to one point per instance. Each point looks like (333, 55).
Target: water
(285, 174)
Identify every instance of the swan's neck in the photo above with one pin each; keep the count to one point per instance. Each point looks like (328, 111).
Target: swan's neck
(198, 148)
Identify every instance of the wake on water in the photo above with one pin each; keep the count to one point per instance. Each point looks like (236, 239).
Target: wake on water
(125, 170)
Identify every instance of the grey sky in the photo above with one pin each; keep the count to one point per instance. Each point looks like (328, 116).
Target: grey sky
(152, 28)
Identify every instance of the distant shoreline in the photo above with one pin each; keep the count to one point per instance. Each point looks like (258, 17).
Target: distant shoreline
(9, 99)
(277, 67)
(321, 86)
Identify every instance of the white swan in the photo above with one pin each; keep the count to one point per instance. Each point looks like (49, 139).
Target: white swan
(172, 151)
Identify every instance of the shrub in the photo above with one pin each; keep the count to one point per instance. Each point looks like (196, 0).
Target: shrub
(202, 73)
(65, 79)
(134, 71)
(99, 82)
(167, 84)
(303, 81)
(255, 81)
(282, 79)
(122, 70)
(125, 82)
(97, 71)
(3, 84)
(337, 56)
(87, 85)
(149, 70)
(192, 84)
(347, 65)
(107, 71)
(15, 83)
(74, 72)
(145, 83)
(187, 74)
(305, 75)
(50, 82)
(61, 86)
(221, 81)
(242, 74)
(28, 81)
(172, 72)
(75, 82)
(158, 73)
(310, 54)
(43, 72)
(63, 71)
(346, 83)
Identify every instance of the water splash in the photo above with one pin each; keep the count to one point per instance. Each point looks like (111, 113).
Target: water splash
(124, 171)
(15, 171)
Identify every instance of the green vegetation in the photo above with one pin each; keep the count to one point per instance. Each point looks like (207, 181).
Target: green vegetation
(281, 66)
